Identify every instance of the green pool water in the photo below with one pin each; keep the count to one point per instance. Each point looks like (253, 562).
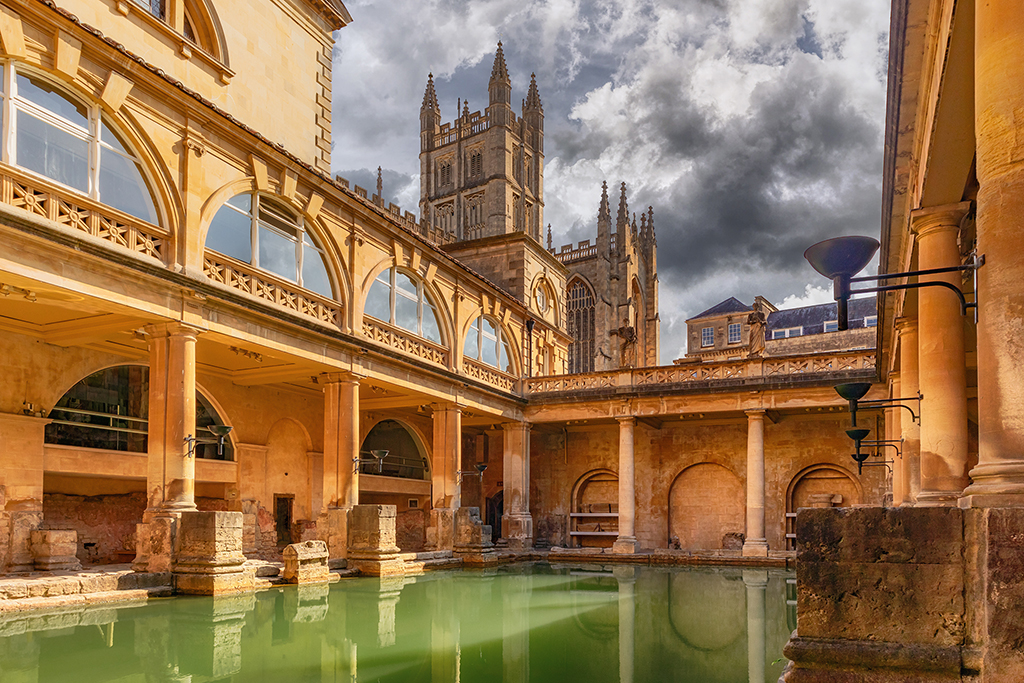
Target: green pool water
(531, 623)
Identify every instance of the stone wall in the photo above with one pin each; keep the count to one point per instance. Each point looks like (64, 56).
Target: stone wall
(105, 524)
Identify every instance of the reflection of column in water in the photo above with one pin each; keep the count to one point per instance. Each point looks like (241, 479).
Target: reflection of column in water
(154, 649)
(756, 581)
(387, 605)
(626, 576)
(515, 629)
(444, 633)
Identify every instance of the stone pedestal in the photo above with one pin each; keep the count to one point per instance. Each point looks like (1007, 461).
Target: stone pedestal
(371, 540)
(306, 562)
(55, 550)
(908, 594)
(22, 524)
(209, 558)
(472, 536)
(154, 542)
(332, 529)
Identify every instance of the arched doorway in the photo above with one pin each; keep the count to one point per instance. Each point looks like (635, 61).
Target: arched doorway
(594, 520)
(401, 479)
(823, 485)
(706, 507)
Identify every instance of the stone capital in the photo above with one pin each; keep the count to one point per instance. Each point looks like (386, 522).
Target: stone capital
(446, 408)
(172, 329)
(930, 220)
(340, 378)
(756, 413)
(906, 325)
(626, 420)
(513, 426)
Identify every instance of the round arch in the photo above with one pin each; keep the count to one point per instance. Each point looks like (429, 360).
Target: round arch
(397, 447)
(841, 474)
(706, 503)
(336, 268)
(432, 291)
(211, 31)
(514, 345)
(554, 312)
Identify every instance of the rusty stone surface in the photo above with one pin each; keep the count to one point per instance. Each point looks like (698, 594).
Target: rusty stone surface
(105, 523)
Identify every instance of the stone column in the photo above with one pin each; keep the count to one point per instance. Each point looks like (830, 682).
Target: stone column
(516, 522)
(341, 447)
(910, 430)
(942, 372)
(998, 102)
(626, 542)
(892, 433)
(445, 494)
(172, 416)
(755, 544)
(756, 582)
(626, 576)
(170, 473)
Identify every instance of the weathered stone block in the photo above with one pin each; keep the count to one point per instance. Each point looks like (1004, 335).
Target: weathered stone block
(55, 550)
(441, 531)
(332, 529)
(471, 534)
(306, 562)
(371, 541)
(209, 555)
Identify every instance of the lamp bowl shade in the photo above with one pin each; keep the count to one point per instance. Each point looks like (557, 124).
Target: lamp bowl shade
(380, 455)
(853, 391)
(220, 431)
(841, 255)
(857, 434)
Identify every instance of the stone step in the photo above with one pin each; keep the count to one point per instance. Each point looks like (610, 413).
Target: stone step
(90, 581)
(66, 605)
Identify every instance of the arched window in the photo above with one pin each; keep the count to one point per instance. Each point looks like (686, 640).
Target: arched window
(70, 142)
(404, 458)
(580, 320)
(109, 410)
(260, 231)
(485, 342)
(399, 300)
(444, 173)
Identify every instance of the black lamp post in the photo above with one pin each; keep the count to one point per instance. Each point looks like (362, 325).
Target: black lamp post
(477, 471)
(840, 258)
(378, 457)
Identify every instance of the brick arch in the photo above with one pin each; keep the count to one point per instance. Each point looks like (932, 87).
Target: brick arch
(705, 502)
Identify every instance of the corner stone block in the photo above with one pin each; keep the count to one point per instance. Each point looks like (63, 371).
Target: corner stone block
(371, 541)
(55, 550)
(441, 532)
(306, 562)
(332, 529)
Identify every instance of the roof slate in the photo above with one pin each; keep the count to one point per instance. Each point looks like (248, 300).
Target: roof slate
(730, 305)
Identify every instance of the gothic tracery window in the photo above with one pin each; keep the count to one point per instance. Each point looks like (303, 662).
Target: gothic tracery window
(476, 164)
(580, 322)
(444, 173)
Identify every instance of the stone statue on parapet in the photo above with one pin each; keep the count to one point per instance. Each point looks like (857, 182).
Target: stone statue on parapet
(757, 321)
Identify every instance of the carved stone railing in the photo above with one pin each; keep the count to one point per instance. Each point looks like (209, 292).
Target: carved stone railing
(568, 254)
(63, 206)
(265, 286)
(406, 342)
(751, 370)
(488, 375)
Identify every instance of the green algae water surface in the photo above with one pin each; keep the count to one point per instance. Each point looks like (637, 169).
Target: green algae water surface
(522, 624)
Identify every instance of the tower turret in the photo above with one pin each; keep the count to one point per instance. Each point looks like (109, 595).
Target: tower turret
(622, 223)
(499, 110)
(533, 116)
(430, 116)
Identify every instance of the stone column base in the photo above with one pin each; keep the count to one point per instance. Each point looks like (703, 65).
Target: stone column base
(371, 541)
(22, 524)
(55, 550)
(517, 530)
(471, 534)
(625, 545)
(209, 556)
(757, 547)
(154, 542)
(441, 531)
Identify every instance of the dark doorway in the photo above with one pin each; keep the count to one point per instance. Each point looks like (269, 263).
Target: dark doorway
(495, 510)
(283, 518)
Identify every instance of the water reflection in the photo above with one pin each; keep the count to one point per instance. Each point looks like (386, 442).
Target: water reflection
(518, 625)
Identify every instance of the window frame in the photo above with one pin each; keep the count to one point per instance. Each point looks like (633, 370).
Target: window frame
(423, 302)
(580, 309)
(738, 329)
(871, 321)
(834, 324)
(14, 103)
(500, 339)
(707, 337)
(788, 332)
(303, 238)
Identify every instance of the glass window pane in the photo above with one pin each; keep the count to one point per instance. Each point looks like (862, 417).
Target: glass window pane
(52, 152)
(277, 217)
(505, 359)
(378, 301)
(431, 327)
(230, 233)
(490, 330)
(405, 284)
(243, 202)
(277, 254)
(314, 272)
(122, 186)
(472, 346)
(406, 315)
(49, 99)
(385, 277)
(107, 137)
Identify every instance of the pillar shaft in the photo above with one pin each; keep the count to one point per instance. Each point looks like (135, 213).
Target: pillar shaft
(517, 523)
(341, 439)
(942, 372)
(447, 456)
(910, 431)
(999, 99)
(626, 542)
(171, 470)
(892, 433)
(755, 544)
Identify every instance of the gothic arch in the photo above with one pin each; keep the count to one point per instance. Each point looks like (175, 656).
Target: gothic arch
(580, 323)
(335, 262)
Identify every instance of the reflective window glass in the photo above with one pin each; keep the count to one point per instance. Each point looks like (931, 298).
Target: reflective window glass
(122, 186)
(52, 152)
(231, 233)
(314, 272)
(51, 100)
(277, 253)
(378, 301)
